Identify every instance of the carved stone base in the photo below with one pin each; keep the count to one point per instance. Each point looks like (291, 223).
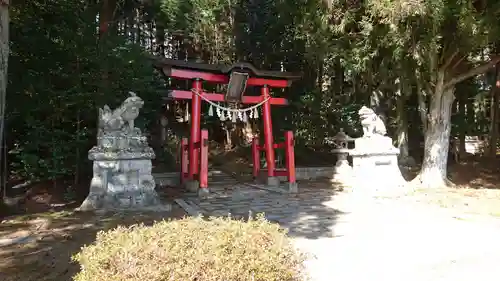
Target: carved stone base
(203, 192)
(375, 165)
(192, 185)
(292, 187)
(123, 185)
(126, 201)
(273, 181)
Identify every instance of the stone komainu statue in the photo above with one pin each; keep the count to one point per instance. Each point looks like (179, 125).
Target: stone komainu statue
(125, 114)
(116, 127)
(371, 122)
(122, 164)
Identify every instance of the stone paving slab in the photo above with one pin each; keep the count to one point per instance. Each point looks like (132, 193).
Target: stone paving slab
(301, 214)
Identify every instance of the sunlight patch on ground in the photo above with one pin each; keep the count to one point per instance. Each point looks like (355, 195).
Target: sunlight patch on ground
(467, 200)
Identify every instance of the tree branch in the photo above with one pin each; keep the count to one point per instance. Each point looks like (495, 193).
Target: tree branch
(458, 62)
(473, 72)
(449, 60)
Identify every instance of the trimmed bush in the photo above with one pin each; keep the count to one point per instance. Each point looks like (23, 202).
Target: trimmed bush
(192, 249)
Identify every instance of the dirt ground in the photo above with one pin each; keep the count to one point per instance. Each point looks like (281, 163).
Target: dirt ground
(476, 190)
(45, 241)
(50, 239)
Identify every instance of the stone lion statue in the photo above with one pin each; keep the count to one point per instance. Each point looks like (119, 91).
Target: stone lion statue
(371, 122)
(126, 113)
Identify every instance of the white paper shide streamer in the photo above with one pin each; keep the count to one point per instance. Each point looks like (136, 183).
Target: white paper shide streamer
(227, 113)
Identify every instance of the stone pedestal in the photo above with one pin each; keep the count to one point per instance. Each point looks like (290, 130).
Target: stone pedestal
(375, 164)
(272, 181)
(122, 182)
(292, 187)
(192, 185)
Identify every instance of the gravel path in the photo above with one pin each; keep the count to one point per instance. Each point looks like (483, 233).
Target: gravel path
(387, 240)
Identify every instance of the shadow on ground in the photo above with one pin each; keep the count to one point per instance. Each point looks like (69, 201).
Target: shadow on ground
(40, 246)
(315, 215)
(308, 214)
(45, 243)
(477, 173)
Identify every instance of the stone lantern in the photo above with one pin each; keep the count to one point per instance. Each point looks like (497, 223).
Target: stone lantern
(342, 171)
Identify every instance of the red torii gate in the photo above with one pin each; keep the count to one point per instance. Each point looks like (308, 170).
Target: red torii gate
(237, 76)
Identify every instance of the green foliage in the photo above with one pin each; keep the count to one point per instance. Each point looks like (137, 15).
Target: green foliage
(58, 76)
(60, 70)
(192, 249)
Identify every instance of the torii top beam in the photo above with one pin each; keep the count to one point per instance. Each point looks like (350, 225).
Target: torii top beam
(219, 73)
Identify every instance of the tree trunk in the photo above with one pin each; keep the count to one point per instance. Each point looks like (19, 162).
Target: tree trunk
(106, 16)
(470, 112)
(402, 131)
(160, 39)
(422, 107)
(229, 140)
(105, 20)
(494, 115)
(376, 100)
(437, 136)
(462, 128)
(493, 124)
(4, 56)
